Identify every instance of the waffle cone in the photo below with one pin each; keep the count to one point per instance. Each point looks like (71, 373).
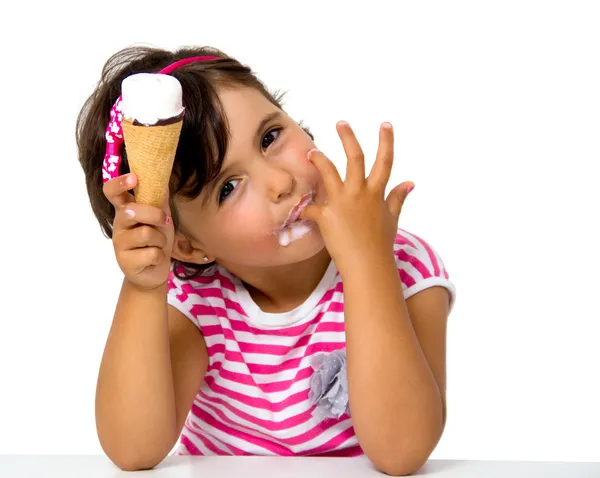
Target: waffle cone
(150, 154)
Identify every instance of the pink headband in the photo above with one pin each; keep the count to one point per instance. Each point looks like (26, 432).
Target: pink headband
(111, 167)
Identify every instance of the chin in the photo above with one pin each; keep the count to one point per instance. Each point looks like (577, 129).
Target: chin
(304, 247)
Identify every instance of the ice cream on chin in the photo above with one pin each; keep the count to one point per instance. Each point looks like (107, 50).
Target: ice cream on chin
(295, 231)
(152, 111)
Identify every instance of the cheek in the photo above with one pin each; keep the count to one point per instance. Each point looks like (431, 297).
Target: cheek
(297, 147)
(247, 219)
(246, 238)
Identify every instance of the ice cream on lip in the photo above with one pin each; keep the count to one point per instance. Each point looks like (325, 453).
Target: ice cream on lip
(293, 229)
(298, 208)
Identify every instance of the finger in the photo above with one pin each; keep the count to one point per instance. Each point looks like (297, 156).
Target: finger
(355, 170)
(312, 213)
(331, 177)
(147, 256)
(380, 174)
(117, 189)
(131, 214)
(167, 204)
(397, 197)
(139, 237)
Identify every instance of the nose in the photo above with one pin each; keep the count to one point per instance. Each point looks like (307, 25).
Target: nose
(280, 183)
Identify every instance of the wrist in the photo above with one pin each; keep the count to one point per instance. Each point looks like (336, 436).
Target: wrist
(366, 263)
(160, 289)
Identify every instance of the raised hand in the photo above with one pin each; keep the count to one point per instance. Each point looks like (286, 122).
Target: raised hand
(358, 223)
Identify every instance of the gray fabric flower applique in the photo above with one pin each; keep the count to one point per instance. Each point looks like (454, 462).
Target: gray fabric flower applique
(329, 385)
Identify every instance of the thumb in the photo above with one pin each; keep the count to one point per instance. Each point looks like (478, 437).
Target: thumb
(312, 213)
(397, 196)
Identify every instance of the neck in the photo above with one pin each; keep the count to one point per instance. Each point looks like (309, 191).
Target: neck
(283, 288)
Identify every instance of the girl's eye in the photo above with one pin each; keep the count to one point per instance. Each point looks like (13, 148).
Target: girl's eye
(226, 190)
(267, 140)
(270, 137)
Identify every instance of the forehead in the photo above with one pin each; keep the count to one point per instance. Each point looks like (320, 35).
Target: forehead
(244, 108)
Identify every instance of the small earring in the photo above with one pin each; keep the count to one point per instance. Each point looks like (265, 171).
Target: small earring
(205, 259)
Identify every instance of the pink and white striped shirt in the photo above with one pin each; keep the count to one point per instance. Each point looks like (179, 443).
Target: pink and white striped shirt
(254, 398)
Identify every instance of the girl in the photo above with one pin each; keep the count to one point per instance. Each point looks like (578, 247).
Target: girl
(269, 308)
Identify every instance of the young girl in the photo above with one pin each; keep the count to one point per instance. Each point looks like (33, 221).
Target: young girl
(270, 307)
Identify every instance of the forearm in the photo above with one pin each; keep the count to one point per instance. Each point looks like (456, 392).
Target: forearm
(395, 402)
(135, 403)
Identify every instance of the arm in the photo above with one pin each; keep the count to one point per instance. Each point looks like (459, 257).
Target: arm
(153, 365)
(396, 365)
(395, 349)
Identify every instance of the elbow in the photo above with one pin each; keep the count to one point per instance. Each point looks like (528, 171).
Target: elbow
(134, 458)
(136, 461)
(134, 453)
(406, 459)
(400, 460)
(399, 467)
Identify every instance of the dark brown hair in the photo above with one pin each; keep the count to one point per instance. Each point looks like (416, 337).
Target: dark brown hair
(204, 135)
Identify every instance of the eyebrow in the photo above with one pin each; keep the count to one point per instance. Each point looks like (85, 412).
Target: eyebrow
(211, 186)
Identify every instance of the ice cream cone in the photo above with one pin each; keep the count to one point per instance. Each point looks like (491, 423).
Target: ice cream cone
(150, 154)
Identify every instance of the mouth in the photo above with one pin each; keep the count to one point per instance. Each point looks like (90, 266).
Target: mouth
(297, 209)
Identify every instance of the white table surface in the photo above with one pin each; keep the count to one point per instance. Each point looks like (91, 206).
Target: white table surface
(96, 466)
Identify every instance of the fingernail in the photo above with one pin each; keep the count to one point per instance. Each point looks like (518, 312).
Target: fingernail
(130, 213)
(410, 189)
(342, 123)
(314, 150)
(387, 125)
(168, 221)
(130, 179)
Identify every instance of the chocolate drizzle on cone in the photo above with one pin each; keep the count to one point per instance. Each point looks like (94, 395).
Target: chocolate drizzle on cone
(161, 122)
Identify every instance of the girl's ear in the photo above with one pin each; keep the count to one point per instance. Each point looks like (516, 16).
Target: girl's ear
(184, 251)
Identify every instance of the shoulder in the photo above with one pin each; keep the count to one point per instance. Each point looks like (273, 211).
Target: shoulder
(193, 296)
(420, 265)
(183, 283)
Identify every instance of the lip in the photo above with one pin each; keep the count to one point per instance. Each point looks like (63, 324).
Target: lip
(297, 209)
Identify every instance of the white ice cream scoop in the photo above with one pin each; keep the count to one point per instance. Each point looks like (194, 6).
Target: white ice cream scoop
(148, 98)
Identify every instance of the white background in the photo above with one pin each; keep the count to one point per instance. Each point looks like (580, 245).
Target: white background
(496, 108)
